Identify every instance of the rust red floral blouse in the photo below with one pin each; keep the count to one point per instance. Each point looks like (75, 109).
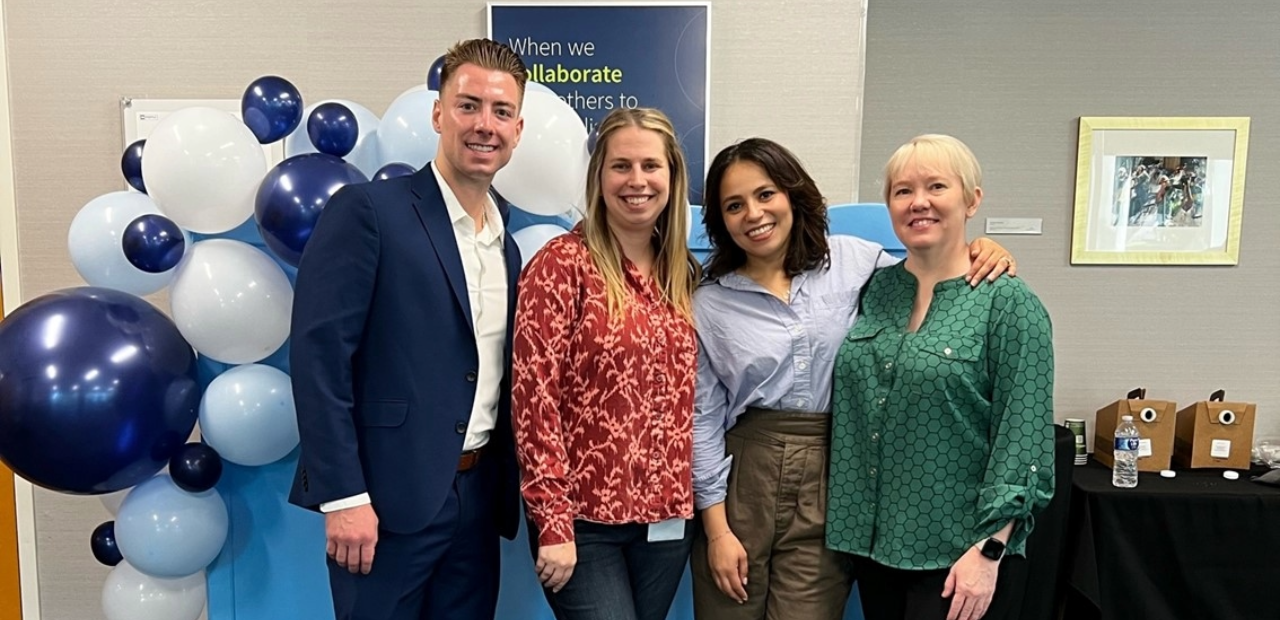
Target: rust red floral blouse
(602, 408)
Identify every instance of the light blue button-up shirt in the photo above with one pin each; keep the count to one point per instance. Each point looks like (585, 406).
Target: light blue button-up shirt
(756, 351)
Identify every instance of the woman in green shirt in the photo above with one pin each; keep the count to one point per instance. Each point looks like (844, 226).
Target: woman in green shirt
(941, 445)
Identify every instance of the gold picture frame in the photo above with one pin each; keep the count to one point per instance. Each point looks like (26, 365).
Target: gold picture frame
(1159, 191)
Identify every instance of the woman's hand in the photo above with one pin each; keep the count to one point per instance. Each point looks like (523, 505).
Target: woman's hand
(555, 564)
(728, 561)
(970, 585)
(989, 259)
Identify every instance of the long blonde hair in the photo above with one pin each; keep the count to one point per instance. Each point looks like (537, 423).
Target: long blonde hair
(675, 268)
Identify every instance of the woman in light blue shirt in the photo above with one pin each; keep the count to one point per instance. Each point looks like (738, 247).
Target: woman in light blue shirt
(779, 297)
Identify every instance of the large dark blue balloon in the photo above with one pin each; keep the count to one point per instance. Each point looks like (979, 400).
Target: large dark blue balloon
(97, 390)
(434, 74)
(291, 197)
(131, 165)
(153, 243)
(271, 107)
(333, 129)
(196, 467)
(393, 170)
(103, 544)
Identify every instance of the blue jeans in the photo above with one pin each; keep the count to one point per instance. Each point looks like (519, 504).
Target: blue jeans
(620, 575)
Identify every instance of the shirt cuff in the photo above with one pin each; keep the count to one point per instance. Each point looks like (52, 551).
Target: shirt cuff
(554, 530)
(712, 489)
(345, 503)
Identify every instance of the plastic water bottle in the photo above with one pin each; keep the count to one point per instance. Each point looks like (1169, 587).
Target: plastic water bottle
(1124, 473)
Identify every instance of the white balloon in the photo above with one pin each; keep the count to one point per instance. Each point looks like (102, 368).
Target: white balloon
(548, 170)
(203, 167)
(95, 241)
(537, 87)
(231, 301)
(365, 154)
(532, 238)
(247, 414)
(129, 594)
(405, 133)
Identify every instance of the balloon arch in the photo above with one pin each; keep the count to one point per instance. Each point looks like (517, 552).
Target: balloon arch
(101, 392)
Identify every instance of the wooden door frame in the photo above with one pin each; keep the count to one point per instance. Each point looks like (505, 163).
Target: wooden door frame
(18, 573)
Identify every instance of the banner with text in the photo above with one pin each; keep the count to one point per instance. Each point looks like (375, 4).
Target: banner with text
(601, 57)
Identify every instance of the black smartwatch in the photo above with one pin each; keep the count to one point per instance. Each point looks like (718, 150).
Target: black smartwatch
(992, 549)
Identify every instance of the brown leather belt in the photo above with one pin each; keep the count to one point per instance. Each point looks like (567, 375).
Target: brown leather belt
(469, 459)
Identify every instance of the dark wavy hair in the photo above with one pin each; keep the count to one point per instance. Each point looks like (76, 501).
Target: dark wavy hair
(807, 244)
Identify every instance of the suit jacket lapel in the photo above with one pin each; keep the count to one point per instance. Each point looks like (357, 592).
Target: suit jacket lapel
(511, 253)
(429, 203)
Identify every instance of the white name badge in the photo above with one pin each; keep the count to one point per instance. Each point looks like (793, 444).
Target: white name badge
(671, 529)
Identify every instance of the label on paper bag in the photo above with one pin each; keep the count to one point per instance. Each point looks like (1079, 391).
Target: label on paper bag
(671, 529)
(1144, 447)
(1220, 449)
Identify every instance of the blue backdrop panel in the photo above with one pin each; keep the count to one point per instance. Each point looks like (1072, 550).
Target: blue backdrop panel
(665, 68)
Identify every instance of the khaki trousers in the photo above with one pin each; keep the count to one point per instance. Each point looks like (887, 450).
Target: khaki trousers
(776, 506)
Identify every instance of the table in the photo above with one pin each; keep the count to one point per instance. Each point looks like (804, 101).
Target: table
(1195, 546)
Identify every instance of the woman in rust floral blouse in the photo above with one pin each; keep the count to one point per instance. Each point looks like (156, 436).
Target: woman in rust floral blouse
(602, 396)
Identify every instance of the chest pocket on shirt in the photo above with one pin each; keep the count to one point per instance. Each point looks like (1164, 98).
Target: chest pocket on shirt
(838, 299)
(864, 330)
(949, 356)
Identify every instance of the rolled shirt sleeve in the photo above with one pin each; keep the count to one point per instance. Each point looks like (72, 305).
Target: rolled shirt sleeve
(1019, 477)
(710, 417)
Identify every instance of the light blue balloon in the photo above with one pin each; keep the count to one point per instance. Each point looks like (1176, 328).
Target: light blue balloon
(95, 241)
(405, 133)
(364, 156)
(248, 416)
(166, 532)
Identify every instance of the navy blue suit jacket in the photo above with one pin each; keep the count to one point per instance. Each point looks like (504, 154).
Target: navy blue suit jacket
(383, 357)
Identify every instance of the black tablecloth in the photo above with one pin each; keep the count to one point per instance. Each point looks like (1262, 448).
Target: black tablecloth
(1196, 546)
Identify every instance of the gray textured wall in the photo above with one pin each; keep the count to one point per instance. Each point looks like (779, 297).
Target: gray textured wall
(72, 60)
(1011, 78)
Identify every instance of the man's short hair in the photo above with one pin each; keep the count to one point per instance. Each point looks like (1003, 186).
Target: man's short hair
(487, 54)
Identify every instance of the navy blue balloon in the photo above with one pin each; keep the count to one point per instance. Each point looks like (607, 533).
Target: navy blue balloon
(393, 170)
(291, 197)
(153, 243)
(333, 129)
(97, 390)
(131, 165)
(103, 544)
(434, 74)
(271, 107)
(196, 467)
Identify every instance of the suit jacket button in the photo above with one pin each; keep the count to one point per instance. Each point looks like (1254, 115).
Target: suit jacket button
(461, 427)
(471, 377)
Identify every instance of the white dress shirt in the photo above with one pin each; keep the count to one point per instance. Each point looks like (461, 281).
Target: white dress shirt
(485, 269)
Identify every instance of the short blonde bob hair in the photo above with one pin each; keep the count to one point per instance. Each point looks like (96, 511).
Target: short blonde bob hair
(946, 153)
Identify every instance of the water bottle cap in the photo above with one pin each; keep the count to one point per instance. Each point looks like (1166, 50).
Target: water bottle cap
(1126, 418)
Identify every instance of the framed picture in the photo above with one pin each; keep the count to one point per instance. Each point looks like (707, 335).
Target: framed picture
(1159, 191)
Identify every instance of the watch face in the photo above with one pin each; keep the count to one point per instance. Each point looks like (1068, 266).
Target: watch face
(993, 549)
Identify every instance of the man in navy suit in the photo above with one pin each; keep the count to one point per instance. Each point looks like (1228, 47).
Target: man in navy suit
(401, 353)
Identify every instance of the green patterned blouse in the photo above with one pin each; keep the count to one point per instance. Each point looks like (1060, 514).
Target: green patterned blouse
(942, 436)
